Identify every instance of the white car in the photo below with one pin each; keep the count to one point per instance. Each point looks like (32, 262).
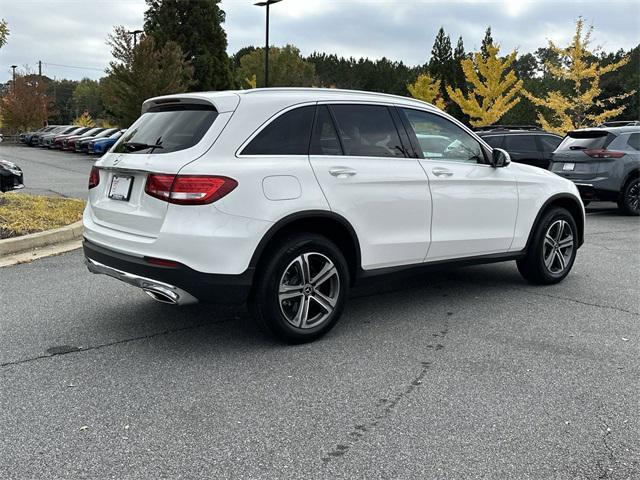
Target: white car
(286, 197)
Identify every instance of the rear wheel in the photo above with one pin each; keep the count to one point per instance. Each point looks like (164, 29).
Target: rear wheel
(552, 251)
(629, 201)
(300, 289)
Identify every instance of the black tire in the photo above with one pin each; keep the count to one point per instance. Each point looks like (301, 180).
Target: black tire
(265, 303)
(532, 266)
(629, 202)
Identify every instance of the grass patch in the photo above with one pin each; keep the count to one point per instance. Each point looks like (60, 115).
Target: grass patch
(22, 214)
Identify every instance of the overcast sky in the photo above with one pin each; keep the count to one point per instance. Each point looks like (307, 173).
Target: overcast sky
(71, 33)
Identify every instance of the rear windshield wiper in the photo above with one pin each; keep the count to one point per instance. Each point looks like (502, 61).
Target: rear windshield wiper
(135, 146)
(577, 147)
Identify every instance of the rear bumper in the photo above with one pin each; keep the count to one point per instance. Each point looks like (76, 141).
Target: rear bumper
(589, 191)
(181, 284)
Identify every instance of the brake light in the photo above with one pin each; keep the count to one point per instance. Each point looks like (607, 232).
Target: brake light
(602, 153)
(94, 178)
(162, 262)
(189, 189)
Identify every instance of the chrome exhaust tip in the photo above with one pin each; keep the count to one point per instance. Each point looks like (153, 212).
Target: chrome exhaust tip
(162, 295)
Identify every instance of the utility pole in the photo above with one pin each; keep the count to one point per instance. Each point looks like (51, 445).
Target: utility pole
(40, 69)
(13, 84)
(266, 3)
(135, 36)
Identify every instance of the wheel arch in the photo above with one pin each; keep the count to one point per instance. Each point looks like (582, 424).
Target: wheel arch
(634, 173)
(329, 224)
(570, 203)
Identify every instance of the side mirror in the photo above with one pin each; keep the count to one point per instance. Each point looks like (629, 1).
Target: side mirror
(500, 158)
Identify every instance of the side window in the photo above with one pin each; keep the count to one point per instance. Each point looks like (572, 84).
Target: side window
(549, 143)
(368, 131)
(440, 139)
(521, 143)
(288, 134)
(325, 138)
(495, 141)
(633, 142)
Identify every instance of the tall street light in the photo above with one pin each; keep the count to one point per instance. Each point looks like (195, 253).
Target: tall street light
(135, 36)
(266, 3)
(13, 67)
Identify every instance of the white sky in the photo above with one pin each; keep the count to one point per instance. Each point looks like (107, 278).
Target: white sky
(73, 32)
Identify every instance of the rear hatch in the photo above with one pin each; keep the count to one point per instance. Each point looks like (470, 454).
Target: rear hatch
(579, 155)
(167, 136)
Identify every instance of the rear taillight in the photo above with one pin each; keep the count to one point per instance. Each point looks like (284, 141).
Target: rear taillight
(188, 189)
(94, 178)
(602, 153)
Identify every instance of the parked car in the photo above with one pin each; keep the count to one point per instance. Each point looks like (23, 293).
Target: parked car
(46, 140)
(82, 145)
(25, 137)
(288, 197)
(69, 143)
(526, 144)
(11, 176)
(58, 140)
(101, 145)
(604, 163)
(33, 139)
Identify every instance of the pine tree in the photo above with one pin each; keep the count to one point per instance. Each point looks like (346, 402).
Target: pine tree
(579, 105)
(487, 41)
(196, 26)
(458, 56)
(494, 87)
(441, 61)
(427, 89)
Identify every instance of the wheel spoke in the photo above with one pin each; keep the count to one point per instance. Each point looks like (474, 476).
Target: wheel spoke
(566, 242)
(548, 240)
(303, 312)
(561, 261)
(324, 301)
(559, 231)
(548, 260)
(289, 291)
(328, 271)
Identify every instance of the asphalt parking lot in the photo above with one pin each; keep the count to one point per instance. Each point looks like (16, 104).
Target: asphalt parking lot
(469, 373)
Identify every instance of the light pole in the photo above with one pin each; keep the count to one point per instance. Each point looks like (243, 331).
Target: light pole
(13, 67)
(266, 3)
(135, 36)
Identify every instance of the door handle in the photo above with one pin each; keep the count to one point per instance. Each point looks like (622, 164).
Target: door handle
(442, 172)
(342, 172)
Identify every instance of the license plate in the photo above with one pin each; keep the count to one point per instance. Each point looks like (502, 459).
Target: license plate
(120, 187)
(568, 166)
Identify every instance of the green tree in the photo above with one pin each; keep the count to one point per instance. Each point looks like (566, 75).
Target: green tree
(196, 26)
(441, 61)
(87, 97)
(287, 68)
(487, 41)
(4, 32)
(139, 73)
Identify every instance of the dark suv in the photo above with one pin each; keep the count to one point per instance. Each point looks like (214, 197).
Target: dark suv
(526, 144)
(604, 163)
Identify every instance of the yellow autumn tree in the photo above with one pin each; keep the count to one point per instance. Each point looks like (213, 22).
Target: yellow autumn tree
(427, 89)
(494, 88)
(84, 120)
(579, 105)
(252, 82)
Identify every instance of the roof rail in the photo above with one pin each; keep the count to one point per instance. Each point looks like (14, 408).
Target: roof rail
(507, 127)
(620, 123)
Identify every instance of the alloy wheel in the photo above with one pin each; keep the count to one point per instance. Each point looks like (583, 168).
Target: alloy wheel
(558, 246)
(633, 196)
(308, 290)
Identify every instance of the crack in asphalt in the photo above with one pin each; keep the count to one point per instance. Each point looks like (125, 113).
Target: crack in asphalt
(385, 407)
(568, 299)
(71, 350)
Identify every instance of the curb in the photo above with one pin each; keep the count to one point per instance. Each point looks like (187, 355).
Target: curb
(41, 239)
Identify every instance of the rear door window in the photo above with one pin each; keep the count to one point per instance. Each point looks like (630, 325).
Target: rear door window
(367, 131)
(520, 143)
(167, 128)
(495, 141)
(288, 134)
(634, 141)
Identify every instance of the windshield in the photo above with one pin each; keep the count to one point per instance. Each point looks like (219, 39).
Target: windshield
(167, 129)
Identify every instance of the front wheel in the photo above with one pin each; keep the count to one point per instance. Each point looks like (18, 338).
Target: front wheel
(629, 202)
(301, 288)
(552, 250)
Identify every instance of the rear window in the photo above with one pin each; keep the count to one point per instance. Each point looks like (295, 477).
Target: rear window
(586, 140)
(167, 129)
(522, 143)
(494, 141)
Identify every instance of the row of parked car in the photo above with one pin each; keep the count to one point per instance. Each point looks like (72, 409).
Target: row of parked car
(90, 140)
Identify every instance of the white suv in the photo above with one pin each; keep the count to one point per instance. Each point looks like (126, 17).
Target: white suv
(287, 197)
